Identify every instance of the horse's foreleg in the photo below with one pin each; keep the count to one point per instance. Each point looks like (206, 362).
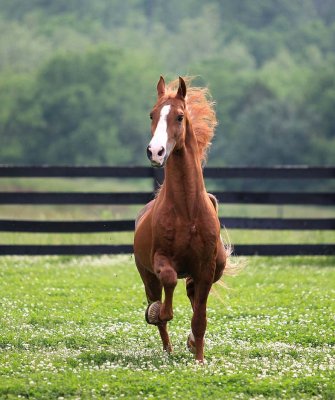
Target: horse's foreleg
(153, 290)
(199, 319)
(162, 327)
(153, 287)
(168, 278)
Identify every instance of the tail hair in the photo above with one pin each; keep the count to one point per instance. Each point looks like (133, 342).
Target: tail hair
(234, 265)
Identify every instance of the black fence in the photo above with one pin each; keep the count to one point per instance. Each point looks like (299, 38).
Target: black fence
(323, 199)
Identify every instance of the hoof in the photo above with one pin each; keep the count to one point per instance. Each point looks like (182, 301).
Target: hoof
(168, 349)
(152, 313)
(191, 343)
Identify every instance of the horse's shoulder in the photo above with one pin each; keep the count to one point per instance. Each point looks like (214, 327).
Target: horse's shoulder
(143, 211)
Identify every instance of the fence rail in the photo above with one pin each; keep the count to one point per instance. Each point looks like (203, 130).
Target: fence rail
(128, 225)
(276, 172)
(245, 250)
(125, 198)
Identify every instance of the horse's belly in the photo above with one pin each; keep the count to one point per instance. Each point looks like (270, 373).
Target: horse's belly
(195, 249)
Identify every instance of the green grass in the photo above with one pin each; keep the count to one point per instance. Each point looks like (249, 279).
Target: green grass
(76, 184)
(74, 327)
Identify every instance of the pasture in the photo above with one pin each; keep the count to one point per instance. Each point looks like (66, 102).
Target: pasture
(73, 327)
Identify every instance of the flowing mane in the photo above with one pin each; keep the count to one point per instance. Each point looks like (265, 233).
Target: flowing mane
(201, 110)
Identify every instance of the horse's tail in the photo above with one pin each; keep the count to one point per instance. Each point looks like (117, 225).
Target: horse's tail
(234, 265)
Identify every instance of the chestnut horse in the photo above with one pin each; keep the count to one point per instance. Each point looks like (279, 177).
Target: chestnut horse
(177, 235)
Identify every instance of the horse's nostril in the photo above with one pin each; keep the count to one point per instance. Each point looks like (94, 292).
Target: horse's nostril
(149, 153)
(161, 152)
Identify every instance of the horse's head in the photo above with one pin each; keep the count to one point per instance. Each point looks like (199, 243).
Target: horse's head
(168, 124)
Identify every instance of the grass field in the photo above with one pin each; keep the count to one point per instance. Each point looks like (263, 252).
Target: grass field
(74, 327)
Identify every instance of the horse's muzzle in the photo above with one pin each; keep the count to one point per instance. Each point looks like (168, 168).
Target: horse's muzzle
(155, 164)
(157, 158)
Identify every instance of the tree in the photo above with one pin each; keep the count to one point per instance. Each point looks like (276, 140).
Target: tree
(319, 103)
(86, 108)
(271, 132)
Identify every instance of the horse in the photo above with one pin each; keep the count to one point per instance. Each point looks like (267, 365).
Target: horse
(177, 235)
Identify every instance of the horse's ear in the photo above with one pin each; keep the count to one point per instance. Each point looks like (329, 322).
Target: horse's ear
(182, 88)
(161, 87)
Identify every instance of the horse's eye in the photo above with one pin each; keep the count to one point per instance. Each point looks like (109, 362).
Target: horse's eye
(150, 116)
(180, 117)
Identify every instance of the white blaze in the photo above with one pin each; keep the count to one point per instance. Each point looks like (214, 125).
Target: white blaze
(160, 136)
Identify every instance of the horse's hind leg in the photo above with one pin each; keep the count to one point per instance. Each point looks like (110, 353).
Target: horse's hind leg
(198, 294)
(190, 295)
(190, 290)
(153, 290)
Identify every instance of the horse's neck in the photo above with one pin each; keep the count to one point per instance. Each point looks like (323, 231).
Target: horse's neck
(184, 185)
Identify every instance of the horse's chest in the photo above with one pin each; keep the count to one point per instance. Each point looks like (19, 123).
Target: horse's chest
(181, 237)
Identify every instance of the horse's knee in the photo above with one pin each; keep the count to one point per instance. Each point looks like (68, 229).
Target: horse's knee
(164, 271)
(168, 277)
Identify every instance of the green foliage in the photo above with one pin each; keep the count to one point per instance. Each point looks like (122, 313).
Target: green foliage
(82, 109)
(272, 133)
(78, 78)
